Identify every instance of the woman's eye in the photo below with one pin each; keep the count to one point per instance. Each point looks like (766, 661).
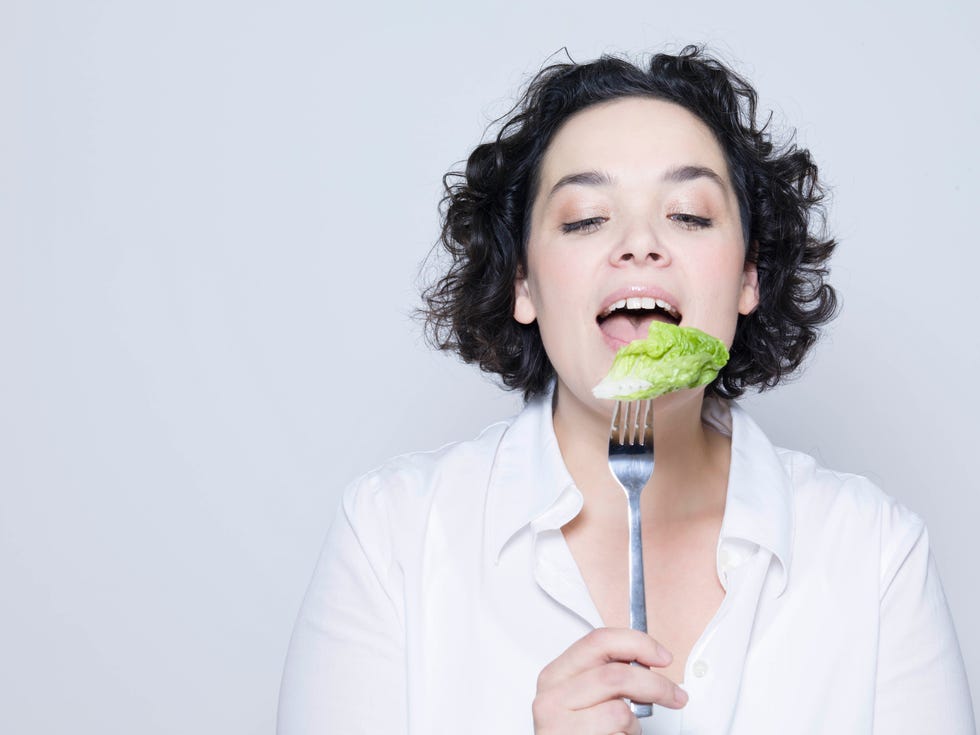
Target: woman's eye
(691, 221)
(584, 225)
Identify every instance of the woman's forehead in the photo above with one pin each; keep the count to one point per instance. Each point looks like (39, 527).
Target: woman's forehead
(631, 137)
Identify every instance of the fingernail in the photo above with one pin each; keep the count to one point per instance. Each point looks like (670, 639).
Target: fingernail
(680, 696)
(664, 653)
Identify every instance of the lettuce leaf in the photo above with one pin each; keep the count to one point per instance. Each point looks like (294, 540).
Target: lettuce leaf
(670, 358)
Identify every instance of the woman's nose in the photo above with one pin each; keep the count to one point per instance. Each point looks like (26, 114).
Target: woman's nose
(641, 245)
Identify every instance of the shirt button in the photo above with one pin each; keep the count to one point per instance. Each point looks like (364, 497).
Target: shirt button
(700, 668)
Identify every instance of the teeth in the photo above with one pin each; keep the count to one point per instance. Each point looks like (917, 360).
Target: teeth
(645, 302)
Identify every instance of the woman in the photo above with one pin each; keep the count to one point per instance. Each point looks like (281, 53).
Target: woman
(483, 587)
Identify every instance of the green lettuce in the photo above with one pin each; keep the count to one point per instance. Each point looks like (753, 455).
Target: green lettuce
(670, 358)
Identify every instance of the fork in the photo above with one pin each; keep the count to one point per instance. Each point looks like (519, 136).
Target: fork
(631, 462)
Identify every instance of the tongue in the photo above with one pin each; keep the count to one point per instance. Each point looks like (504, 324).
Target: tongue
(627, 327)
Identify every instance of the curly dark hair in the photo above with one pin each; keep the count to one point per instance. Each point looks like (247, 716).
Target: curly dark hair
(486, 215)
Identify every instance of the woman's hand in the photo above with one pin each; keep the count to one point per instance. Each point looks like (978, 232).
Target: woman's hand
(581, 692)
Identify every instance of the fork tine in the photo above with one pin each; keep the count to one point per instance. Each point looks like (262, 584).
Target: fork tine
(624, 422)
(645, 422)
(636, 423)
(640, 418)
(634, 408)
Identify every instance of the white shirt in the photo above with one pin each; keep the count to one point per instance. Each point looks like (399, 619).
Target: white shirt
(445, 586)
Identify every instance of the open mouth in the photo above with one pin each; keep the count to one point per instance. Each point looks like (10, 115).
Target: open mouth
(629, 319)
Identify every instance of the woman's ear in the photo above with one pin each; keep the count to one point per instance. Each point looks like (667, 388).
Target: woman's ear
(748, 298)
(524, 311)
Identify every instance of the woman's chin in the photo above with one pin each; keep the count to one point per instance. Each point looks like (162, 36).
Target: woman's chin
(582, 402)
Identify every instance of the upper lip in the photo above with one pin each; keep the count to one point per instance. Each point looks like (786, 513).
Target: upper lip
(637, 291)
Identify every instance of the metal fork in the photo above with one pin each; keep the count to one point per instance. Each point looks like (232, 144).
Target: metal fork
(631, 462)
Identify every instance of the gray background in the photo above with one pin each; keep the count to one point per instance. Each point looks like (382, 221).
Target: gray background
(212, 216)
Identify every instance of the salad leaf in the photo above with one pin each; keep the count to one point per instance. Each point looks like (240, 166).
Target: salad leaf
(670, 358)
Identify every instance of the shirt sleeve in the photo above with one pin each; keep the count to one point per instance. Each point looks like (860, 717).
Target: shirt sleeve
(921, 680)
(345, 669)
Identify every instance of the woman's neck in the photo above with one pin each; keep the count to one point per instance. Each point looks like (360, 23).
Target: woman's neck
(692, 460)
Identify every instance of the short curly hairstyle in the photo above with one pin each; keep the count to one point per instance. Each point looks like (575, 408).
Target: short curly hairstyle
(486, 215)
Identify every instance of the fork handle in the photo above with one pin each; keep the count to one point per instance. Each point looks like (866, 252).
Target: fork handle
(638, 599)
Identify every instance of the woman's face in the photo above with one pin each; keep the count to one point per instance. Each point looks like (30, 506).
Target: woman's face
(634, 202)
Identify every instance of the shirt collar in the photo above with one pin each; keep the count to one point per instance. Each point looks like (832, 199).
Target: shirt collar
(529, 477)
(528, 474)
(759, 506)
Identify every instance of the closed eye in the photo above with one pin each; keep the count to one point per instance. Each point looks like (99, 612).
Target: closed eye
(584, 225)
(691, 221)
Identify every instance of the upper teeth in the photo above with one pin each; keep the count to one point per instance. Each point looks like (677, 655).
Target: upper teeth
(641, 302)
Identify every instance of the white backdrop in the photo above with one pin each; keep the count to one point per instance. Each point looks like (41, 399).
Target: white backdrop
(212, 215)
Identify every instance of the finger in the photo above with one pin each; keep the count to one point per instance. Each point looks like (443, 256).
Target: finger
(608, 717)
(616, 680)
(601, 646)
(613, 716)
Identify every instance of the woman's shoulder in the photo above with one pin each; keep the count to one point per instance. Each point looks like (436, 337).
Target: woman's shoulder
(848, 511)
(824, 499)
(816, 485)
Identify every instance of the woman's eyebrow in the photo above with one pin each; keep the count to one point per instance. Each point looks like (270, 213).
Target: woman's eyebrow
(689, 173)
(586, 178)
